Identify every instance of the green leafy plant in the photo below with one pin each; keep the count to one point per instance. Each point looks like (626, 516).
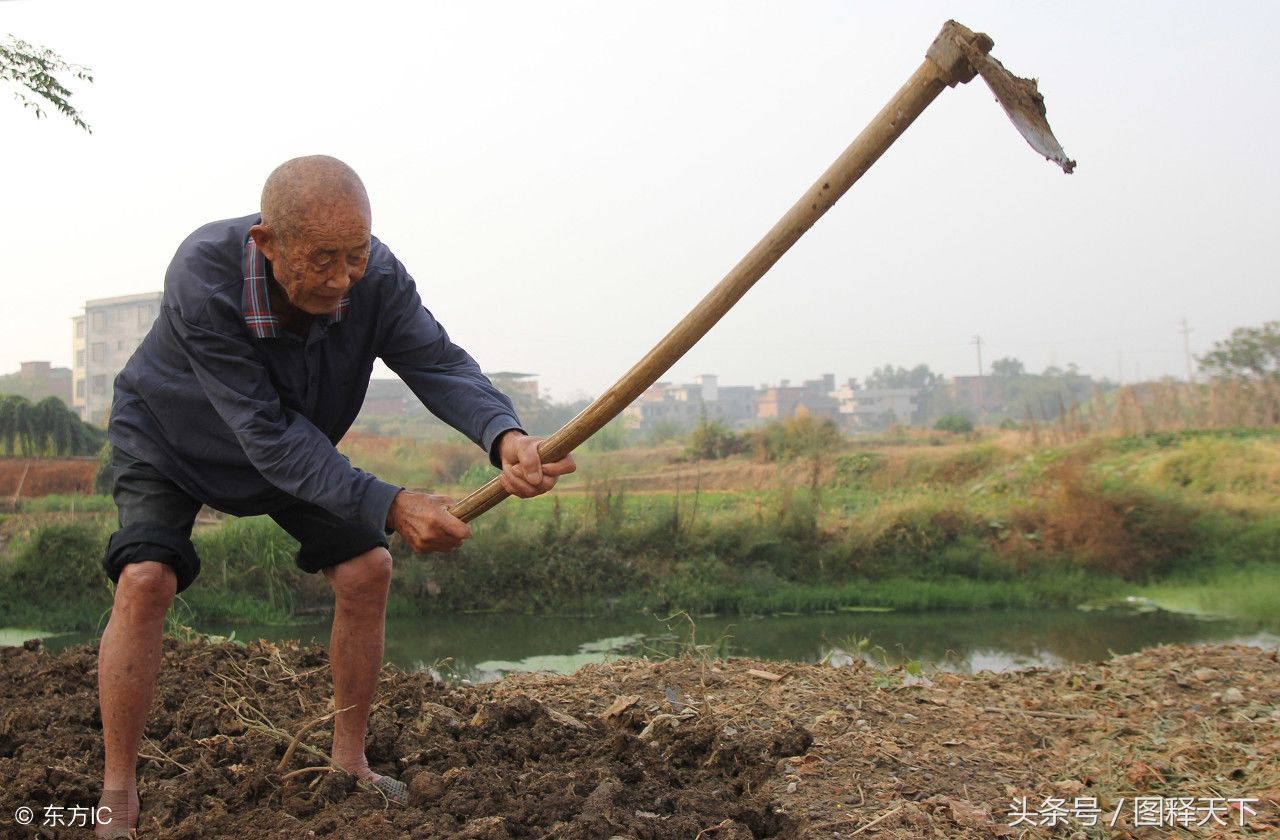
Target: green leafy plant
(36, 69)
(954, 423)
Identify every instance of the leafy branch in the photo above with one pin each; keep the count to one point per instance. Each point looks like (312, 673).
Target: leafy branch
(35, 69)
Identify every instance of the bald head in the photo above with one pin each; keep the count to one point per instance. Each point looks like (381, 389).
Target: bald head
(314, 233)
(301, 188)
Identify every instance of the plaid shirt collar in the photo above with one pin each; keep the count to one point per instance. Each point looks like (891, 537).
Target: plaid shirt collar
(255, 301)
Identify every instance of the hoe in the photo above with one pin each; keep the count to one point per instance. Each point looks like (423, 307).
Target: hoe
(955, 57)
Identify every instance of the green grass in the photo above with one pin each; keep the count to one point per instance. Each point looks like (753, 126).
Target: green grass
(962, 526)
(1051, 589)
(1250, 593)
(69, 503)
(53, 577)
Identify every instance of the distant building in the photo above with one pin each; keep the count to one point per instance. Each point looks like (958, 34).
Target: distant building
(810, 399)
(522, 388)
(512, 384)
(102, 340)
(875, 408)
(37, 380)
(684, 406)
(389, 399)
(664, 404)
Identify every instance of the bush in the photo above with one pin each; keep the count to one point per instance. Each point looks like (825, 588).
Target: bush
(798, 437)
(954, 423)
(56, 581)
(713, 440)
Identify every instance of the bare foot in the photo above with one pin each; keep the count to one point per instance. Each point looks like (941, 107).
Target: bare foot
(393, 789)
(357, 766)
(117, 814)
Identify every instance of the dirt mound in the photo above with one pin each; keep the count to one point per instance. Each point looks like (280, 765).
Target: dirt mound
(45, 476)
(478, 766)
(689, 749)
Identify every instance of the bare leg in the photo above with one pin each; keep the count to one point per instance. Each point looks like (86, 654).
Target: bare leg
(128, 661)
(360, 586)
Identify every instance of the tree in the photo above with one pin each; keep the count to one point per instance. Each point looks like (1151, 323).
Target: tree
(34, 68)
(917, 377)
(1251, 353)
(1008, 368)
(9, 421)
(929, 385)
(46, 428)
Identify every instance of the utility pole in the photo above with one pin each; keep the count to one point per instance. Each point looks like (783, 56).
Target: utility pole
(1119, 367)
(1186, 346)
(982, 403)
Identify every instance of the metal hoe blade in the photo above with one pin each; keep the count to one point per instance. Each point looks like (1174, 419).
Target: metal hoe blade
(1022, 101)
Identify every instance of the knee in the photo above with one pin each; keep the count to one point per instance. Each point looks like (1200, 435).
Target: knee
(148, 586)
(364, 578)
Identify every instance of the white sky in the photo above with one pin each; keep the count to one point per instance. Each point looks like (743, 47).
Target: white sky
(566, 180)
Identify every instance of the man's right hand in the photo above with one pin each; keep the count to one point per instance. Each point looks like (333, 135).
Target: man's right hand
(425, 522)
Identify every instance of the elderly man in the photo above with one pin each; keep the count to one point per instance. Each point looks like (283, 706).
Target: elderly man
(256, 367)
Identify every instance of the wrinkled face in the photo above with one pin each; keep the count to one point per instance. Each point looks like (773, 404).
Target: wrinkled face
(322, 256)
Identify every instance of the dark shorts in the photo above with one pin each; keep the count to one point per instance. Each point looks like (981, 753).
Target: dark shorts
(156, 517)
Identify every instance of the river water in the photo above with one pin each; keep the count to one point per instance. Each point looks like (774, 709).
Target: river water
(484, 646)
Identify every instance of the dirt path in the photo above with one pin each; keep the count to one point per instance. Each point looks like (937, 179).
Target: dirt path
(682, 749)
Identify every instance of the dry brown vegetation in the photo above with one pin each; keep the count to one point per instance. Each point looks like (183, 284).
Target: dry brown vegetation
(46, 476)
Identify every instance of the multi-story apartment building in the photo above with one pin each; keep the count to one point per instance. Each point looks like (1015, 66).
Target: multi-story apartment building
(873, 408)
(684, 406)
(102, 340)
(812, 398)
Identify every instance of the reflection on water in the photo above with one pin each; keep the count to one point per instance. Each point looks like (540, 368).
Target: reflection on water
(478, 647)
(14, 636)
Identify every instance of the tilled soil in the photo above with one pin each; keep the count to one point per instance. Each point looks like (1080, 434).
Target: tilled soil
(689, 749)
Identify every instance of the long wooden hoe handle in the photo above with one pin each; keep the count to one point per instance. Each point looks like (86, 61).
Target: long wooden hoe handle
(946, 65)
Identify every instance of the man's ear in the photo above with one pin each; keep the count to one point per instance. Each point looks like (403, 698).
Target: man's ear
(265, 239)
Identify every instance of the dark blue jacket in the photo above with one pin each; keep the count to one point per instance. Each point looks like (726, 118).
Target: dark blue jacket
(248, 425)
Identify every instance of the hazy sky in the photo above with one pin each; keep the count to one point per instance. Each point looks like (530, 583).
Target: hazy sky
(565, 180)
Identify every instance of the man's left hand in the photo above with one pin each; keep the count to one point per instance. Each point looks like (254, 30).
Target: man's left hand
(523, 473)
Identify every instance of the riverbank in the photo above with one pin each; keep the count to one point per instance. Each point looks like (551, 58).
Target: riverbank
(677, 749)
(923, 523)
(911, 524)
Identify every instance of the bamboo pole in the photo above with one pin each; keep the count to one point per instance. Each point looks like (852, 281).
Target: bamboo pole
(946, 64)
